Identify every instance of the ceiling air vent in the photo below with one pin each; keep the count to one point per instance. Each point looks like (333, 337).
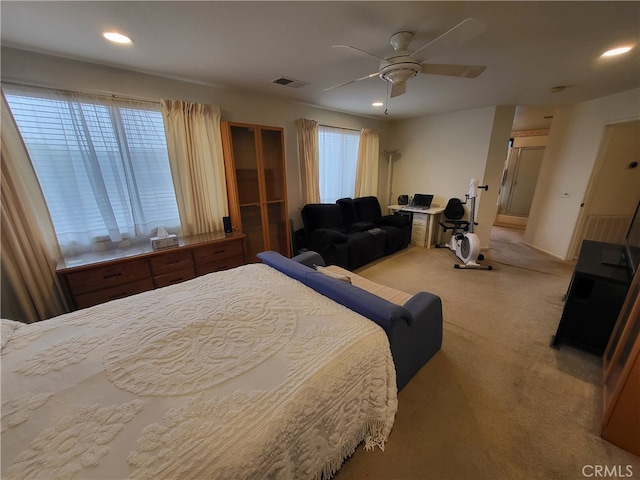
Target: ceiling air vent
(289, 82)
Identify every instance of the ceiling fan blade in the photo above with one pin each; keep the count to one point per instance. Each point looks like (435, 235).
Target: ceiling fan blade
(463, 32)
(371, 75)
(358, 50)
(398, 89)
(465, 71)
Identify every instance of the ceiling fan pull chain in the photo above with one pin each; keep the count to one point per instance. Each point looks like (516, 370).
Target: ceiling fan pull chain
(386, 101)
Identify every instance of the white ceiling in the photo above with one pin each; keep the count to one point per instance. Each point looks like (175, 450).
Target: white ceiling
(528, 48)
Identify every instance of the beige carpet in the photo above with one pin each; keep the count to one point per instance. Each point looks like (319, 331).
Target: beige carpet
(496, 402)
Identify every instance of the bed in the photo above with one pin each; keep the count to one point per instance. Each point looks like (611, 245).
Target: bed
(245, 373)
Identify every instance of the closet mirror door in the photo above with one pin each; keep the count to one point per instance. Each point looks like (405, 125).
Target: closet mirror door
(520, 178)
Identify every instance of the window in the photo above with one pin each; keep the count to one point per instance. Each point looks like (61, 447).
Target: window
(102, 165)
(338, 160)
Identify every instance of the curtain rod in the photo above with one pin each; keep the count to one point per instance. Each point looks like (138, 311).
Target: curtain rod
(342, 128)
(102, 93)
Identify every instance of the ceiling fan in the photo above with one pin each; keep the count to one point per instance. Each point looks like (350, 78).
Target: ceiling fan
(403, 64)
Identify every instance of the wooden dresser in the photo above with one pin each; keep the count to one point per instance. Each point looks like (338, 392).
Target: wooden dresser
(99, 277)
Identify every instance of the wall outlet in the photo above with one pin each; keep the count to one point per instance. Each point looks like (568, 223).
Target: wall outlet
(565, 194)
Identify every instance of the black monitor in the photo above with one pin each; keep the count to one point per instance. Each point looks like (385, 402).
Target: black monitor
(632, 242)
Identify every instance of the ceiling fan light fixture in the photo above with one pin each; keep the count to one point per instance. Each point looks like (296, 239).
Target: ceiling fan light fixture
(398, 75)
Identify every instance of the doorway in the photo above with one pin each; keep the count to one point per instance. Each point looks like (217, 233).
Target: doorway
(519, 179)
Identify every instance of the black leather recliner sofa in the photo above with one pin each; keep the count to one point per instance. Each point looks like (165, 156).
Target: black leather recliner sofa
(353, 232)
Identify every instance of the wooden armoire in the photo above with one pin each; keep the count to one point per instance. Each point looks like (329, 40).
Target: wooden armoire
(621, 396)
(256, 186)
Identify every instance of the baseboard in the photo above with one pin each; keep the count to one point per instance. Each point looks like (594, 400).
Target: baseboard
(545, 251)
(511, 221)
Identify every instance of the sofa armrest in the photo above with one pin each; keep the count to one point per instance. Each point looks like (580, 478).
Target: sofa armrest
(413, 346)
(396, 220)
(309, 258)
(424, 304)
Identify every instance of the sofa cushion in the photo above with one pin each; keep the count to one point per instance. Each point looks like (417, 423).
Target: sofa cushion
(368, 209)
(348, 210)
(390, 294)
(323, 215)
(324, 238)
(362, 249)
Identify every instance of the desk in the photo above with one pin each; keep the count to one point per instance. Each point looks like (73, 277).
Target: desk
(432, 215)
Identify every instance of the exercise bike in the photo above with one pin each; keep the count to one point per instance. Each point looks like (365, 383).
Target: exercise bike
(464, 242)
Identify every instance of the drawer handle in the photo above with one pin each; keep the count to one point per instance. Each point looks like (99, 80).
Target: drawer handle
(174, 262)
(220, 251)
(118, 295)
(113, 275)
(176, 280)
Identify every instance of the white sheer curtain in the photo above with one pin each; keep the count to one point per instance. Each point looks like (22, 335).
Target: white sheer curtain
(338, 162)
(308, 155)
(29, 246)
(194, 142)
(367, 169)
(101, 162)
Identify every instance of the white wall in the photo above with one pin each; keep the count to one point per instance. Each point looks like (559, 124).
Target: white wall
(441, 153)
(43, 70)
(496, 155)
(572, 149)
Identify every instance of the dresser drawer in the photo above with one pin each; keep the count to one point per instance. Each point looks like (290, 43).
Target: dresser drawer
(99, 278)
(111, 293)
(174, 277)
(171, 262)
(224, 264)
(217, 252)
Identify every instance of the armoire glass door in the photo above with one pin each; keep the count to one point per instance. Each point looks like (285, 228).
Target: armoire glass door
(247, 175)
(274, 183)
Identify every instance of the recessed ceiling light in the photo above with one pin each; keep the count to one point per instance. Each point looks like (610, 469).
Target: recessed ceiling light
(616, 51)
(377, 104)
(116, 37)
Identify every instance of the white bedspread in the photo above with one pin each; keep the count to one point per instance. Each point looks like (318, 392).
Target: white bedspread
(238, 374)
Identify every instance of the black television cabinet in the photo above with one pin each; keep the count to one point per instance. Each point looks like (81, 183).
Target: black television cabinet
(596, 293)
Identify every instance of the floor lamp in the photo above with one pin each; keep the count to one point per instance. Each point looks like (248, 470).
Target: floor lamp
(390, 154)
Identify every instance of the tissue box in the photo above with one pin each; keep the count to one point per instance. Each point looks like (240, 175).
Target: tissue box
(158, 243)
